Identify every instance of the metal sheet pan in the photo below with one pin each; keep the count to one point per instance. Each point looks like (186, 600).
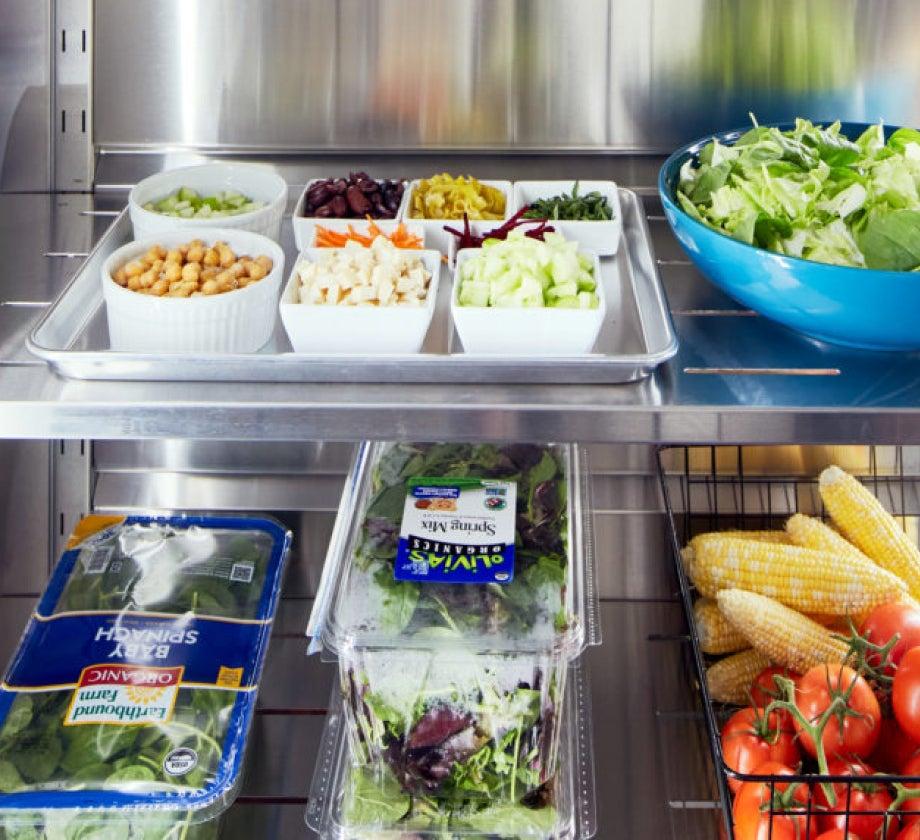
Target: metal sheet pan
(637, 335)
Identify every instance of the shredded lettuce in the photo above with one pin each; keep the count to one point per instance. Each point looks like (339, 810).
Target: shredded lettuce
(812, 192)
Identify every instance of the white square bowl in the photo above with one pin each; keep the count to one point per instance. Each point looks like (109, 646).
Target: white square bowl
(435, 235)
(304, 226)
(254, 180)
(601, 237)
(527, 330)
(357, 330)
(241, 321)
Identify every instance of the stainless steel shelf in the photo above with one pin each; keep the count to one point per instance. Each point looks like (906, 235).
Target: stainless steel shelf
(737, 377)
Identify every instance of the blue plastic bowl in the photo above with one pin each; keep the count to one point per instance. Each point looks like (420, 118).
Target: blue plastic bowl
(858, 307)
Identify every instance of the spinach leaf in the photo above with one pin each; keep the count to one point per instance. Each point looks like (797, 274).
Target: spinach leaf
(510, 819)
(10, 780)
(372, 802)
(891, 241)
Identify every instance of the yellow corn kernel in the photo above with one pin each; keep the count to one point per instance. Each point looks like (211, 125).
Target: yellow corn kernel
(716, 634)
(759, 536)
(785, 636)
(863, 520)
(809, 532)
(808, 580)
(729, 680)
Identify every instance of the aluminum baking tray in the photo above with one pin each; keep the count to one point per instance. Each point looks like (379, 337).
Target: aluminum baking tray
(637, 335)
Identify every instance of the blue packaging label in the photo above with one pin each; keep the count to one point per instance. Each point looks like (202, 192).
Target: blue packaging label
(457, 531)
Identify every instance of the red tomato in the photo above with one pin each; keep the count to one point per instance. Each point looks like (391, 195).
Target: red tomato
(764, 689)
(749, 739)
(894, 749)
(824, 685)
(863, 796)
(911, 806)
(883, 622)
(905, 694)
(837, 834)
(751, 811)
(912, 832)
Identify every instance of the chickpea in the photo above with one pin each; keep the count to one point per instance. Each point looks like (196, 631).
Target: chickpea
(226, 255)
(256, 271)
(193, 269)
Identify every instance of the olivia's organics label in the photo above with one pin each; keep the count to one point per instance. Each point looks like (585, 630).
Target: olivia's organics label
(457, 530)
(124, 695)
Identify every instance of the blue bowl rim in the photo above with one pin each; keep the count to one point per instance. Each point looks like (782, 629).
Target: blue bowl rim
(692, 150)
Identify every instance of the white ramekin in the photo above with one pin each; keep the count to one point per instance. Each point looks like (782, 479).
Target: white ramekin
(256, 181)
(240, 321)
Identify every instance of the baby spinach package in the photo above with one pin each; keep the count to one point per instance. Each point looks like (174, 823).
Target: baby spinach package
(127, 705)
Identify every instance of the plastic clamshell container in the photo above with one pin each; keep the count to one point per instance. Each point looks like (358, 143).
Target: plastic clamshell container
(130, 697)
(329, 328)
(240, 321)
(564, 810)
(256, 181)
(602, 237)
(435, 235)
(305, 226)
(526, 330)
(471, 660)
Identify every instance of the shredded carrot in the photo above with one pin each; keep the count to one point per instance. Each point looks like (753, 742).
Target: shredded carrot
(401, 238)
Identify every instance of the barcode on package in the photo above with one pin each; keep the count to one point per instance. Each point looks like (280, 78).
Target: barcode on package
(95, 562)
(241, 572)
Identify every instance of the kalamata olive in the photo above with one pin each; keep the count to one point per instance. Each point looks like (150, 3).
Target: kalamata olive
(360, 176)
(323, 212)
(318, 195)
(339, 186)
(339, 206)
(368, 187)
(392, 202)
(356, 200)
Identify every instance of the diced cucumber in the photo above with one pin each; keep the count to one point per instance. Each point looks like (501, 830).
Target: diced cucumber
(187, 194)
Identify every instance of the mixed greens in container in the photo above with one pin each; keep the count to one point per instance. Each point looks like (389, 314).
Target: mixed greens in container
(351, 800)
(125, 710)
(453, 678)
(814, 193)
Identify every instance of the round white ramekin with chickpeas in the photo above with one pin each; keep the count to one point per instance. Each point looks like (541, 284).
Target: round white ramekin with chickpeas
(214, 290)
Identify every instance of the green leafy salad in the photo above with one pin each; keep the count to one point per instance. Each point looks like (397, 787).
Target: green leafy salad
(532, 606)
(813, 193)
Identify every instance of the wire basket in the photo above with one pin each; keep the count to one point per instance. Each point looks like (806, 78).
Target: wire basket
(758, 488)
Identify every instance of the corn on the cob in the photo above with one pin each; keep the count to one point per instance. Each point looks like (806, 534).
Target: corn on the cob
(785, 636)
(716, 634)
(809, 532)
(758, 536)
(808, 580)
(863, 520)
(730, 679)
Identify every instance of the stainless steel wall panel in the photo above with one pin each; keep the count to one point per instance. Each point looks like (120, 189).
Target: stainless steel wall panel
(25, 526)
(508, 74)
(25, 96)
